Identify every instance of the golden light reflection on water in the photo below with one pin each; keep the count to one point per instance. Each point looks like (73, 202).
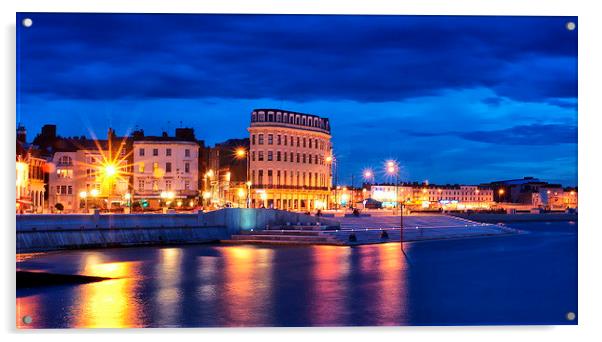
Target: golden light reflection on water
(248, 281)
(109, 303)
(331, 267)
(27, 306)
(392, 294)
(168, 296)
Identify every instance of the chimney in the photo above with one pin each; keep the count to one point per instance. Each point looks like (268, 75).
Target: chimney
(21, 134)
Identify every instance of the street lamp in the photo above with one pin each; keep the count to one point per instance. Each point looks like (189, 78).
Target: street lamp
(501, 193)
(94, 194)
(241, 153)
(332, 161)
(392, 168)
(248, 183)
(128, 198)
(84, 196)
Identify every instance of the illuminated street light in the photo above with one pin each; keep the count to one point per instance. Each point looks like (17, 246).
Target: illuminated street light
(240, 152)
(84, 195)
(110, 170)
(94, 192)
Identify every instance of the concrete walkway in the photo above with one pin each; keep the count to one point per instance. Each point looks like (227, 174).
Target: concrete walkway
(369, 230)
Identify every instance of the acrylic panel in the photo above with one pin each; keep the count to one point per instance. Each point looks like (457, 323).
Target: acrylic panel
(222, 170)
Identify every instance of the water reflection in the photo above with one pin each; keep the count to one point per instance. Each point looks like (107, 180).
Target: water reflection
(247, 285)
(447, 282)
(110, 303)
(168, 295)
(330, 286)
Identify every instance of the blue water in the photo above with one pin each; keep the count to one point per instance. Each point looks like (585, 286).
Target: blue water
(524, 279)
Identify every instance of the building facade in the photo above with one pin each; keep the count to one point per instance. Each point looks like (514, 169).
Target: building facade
(165, 170)
(31, 176)
(290, 160)
(446, 197)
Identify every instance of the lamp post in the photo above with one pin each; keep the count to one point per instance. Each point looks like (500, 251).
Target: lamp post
(94, 194)
(392, 169)
(84, 196)
(332, 161)
(128, 198)
(240, 153)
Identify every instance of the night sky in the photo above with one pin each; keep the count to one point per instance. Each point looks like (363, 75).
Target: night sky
(452, 99)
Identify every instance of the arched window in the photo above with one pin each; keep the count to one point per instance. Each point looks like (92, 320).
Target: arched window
(285, 118)
(303, 121)
(278, 117)
(261, 116)
(254, 117)
(270, 116)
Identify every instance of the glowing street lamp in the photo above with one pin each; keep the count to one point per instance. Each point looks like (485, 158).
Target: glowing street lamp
(241, 153)
(84, 195)
(392, 168)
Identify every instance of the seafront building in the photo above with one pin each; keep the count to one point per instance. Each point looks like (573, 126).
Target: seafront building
(86, 174)
(432, 196)
(290, 160)
(31, 174)
(165, 169)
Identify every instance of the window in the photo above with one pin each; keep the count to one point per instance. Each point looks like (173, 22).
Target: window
(270, 139)
(278, 156)
(285, 141)
(298, 157)
(168, 167)
(168, 185)
(285, 156)
(69, 190)
(141, 185)
(260, 156)
(141, 152)
(155, 168)
(278, 177)
(310, 143)
(253, 139)
(279, 140)
(186, 185)
(260, 176)
(309, 158)
(304, 142)
(303, 158)
(270, 177)
(168, 152)
(186, 153)
(292, 157)
(253, 156)
(292, 140)
(155, 185)
(298, 142)
(187, 167)
(141, 167)
(261, 139)
(270, 155)
(155, 152)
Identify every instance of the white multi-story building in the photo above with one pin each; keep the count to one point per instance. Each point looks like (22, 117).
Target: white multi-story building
(290, 160)
(433, 196)
(88, 175)
(165, 168)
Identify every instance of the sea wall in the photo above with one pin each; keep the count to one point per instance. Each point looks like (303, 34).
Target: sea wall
(37, 233)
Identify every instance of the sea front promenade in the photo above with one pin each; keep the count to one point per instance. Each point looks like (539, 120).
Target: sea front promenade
(37, 233)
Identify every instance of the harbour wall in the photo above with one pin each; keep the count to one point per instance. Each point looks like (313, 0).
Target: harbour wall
(39, 233)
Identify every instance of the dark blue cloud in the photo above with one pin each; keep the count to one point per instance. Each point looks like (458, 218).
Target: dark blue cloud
(298, 58)
(454, 99)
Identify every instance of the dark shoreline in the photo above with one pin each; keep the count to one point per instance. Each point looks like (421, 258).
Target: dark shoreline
(28, 279)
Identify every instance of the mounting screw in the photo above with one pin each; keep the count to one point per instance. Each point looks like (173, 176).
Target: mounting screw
(27, 319)
(27, 22)
(570, 26)
(570, 316)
